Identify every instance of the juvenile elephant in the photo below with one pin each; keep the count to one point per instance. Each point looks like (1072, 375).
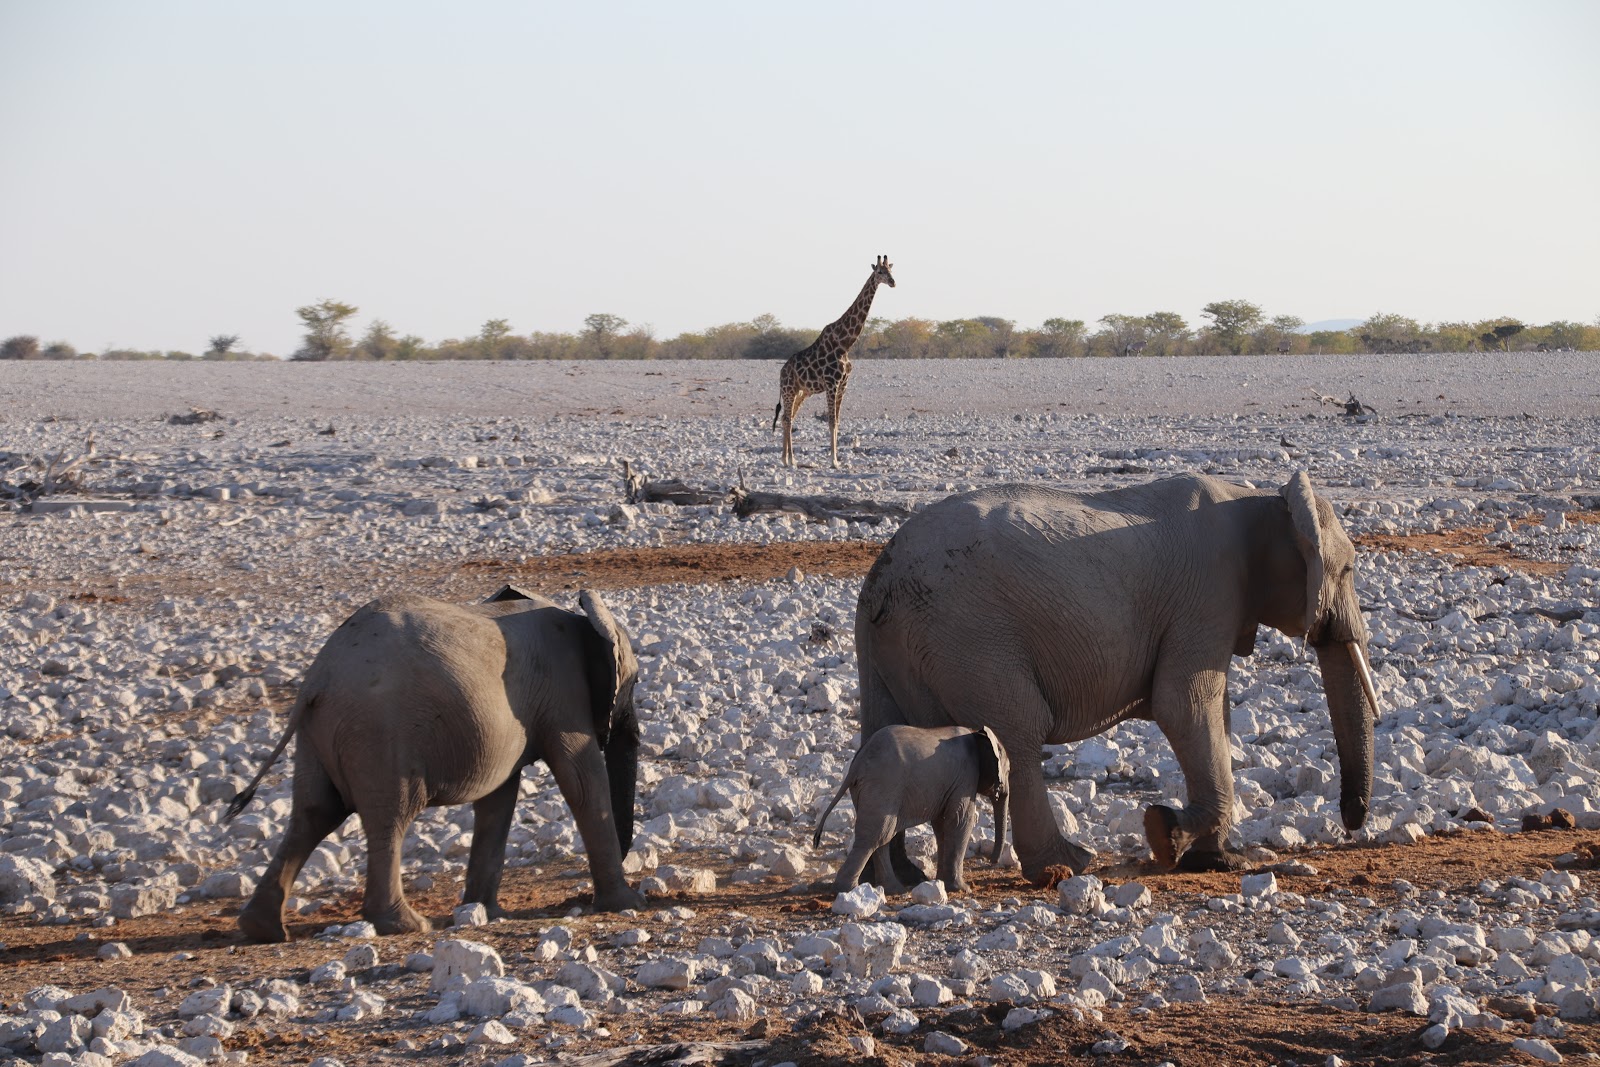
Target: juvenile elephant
(1050, 616)
(414, 703)
(904, 776)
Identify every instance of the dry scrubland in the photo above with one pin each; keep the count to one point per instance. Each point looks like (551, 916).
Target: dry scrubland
(150, 651)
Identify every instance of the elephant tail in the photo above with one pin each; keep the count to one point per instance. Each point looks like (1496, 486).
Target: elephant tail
(241, 799)
(816, 837)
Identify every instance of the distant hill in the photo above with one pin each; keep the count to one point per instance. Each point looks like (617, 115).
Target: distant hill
(1330, 324)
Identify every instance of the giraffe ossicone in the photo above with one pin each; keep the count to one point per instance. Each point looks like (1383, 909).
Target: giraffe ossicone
(824, 365)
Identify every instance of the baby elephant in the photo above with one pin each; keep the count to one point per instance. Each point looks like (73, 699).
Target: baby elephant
(904, 776)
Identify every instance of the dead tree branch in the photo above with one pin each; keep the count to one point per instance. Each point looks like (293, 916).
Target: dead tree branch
(816, 508)
(675, 1054)
(665, 491)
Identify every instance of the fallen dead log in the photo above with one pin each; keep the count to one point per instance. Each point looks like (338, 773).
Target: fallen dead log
(675, 1054)
(195, 417)
(636, 490)
(816, 508)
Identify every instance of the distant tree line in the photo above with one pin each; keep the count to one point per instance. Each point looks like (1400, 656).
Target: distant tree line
(1232, 327)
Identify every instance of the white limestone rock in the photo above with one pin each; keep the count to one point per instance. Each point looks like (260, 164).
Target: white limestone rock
(466, 959)
(137, 901)
(490, 1032)
(1082, 895)
(668, 973)
(870, 950)
(589, 981)
(489, 997)
(1257, 886)
(1022, 986)
(862, 902)
(1401, 991)
(736, 1006)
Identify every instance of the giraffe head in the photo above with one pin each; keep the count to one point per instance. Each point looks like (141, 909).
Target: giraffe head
(881, 269)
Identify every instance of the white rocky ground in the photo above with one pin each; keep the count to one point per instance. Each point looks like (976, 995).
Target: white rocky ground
(259, 533)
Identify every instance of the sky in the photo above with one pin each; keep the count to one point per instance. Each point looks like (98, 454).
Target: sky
(175, 169)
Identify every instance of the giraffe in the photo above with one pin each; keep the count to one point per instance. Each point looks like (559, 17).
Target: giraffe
(824, 366)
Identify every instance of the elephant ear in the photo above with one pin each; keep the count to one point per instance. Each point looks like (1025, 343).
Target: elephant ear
(507, 592)
(990, 755)
(613, 672)
(1308, 535)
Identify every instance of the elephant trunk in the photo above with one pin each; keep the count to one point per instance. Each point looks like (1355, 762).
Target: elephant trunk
(1352, 706)
(622, 770)
(1001, 797)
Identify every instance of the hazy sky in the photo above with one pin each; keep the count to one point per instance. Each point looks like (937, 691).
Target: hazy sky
(174, 170)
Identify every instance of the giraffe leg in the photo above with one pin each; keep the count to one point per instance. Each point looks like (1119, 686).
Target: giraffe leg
(835, 401)
(791, 406)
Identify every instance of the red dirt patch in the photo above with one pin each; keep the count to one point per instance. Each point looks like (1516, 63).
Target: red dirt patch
(1468, 546)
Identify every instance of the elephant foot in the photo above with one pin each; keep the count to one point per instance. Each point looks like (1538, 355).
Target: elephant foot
(400, 919)
(1161, 831)
(1044, 868)
(624, 899)
(1170, 844)
(263, 923)
(1207, 860)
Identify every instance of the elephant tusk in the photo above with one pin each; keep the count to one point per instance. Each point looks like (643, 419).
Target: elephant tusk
(1364, 672)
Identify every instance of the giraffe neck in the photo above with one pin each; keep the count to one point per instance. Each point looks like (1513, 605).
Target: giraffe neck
(849, 325)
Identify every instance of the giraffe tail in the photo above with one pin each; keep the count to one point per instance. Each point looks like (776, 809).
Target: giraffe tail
(775, 413)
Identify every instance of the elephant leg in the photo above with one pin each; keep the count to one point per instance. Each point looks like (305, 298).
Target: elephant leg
(491, 825)
(580, 772)
(1191, 709)
(318, 811)
(386, 822)
(953, 830)
(874, 831)
(905, 868)
(1038, 840)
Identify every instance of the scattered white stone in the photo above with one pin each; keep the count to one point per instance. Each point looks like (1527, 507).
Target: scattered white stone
(1538, 1048)
(466, 959)
(1186, 989)
(1017, 1018)
(490, 1032)
(667, 973)
(871, 949)
(1130, 895)
(1258, 885)
(806, 984)
(940, 1043)
(360, 958)
(1022, 986)
(736, 1006)
(137, 901)
(1401, 991)
(1082, 895)
(862, 902)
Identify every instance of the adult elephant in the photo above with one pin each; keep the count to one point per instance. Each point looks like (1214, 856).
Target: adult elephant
(414, 703)
(1050, 616)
